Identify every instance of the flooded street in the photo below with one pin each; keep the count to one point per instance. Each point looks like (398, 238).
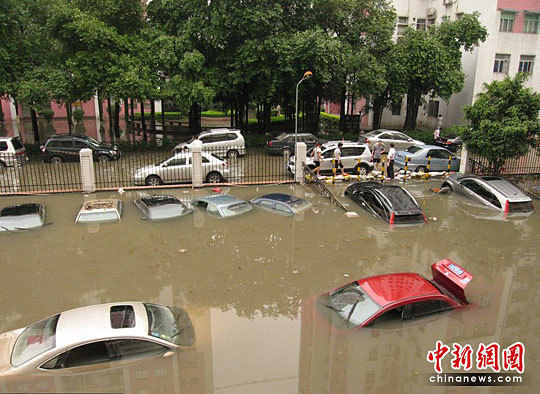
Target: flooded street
(249, 284)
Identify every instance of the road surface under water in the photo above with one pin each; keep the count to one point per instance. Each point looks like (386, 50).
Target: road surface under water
(249, 285)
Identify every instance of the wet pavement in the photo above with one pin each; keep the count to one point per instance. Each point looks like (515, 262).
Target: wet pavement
(249, 284)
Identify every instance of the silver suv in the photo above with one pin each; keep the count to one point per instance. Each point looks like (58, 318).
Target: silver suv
(226, 142)
(12, 152)
(356, 158)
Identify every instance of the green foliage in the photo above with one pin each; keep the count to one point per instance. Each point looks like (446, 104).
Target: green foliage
(78, 114)
(211, 113)
(48, 114)
(502, 121)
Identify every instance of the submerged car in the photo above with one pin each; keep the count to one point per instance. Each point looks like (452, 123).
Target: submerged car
(161, 207)
(96, 211)
(418, 155)
(281, 203)
(178, 169)
(12, 152)
(393, 204)
(453, 144)
(223, 205)
(78, 339)
(22, 217)
(491, 191)
(402, 296)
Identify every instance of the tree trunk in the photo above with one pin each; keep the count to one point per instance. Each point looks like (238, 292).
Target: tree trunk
(342, 110)
(378, 108)
(126, 112)
(69, 114)
(195, 118)
(267, 112)
(317, 114)
(117, 118)
(145, 136)
(109, 111)
(101, 117)
(35, 125)
(413, 102)
(162, 115)
(132, 119)
(247, 117)
(1, 120)
(232, 115)
(153, 116)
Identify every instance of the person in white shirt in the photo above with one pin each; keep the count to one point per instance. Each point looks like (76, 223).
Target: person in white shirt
(436, 134)
(337, 159)
(391, 156)
(316, 154)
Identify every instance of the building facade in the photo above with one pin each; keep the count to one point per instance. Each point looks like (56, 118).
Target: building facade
(512, 46)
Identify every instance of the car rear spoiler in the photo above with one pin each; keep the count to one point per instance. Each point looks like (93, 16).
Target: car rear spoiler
(452, 277)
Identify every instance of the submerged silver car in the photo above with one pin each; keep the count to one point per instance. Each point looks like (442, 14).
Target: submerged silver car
(78, 339)
(281, 203)
(491, 191)
(161, 207)
(222, 205)
(22, 217)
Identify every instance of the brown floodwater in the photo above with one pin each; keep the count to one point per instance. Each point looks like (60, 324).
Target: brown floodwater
(249, 284)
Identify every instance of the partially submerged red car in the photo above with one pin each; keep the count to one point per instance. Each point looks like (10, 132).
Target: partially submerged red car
(406, 295)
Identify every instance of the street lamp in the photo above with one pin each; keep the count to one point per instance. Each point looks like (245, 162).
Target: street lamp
(307, 74)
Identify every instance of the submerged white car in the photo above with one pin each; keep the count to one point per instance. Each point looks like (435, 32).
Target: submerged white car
(96, 211)
(78, 339)
(179, 168)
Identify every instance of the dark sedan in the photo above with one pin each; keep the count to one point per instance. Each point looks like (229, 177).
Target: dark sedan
(392, 204)
(283, 144)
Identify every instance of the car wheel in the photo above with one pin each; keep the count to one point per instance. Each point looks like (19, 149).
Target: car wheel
(56, 160)
(447, 185)
(421, 169)
(361, 169)
(233, 154)
(286, 152)
(214, 177)
(153, 180)
(103, 159)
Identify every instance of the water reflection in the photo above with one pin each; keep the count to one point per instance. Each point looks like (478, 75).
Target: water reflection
(245, 282)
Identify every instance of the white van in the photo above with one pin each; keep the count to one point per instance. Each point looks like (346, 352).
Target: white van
(223, 141)
(12, 152)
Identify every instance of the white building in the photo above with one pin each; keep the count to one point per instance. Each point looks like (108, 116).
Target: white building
(512, 46)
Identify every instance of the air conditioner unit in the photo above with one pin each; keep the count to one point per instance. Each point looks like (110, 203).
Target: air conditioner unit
(448, 2)
(431, 11)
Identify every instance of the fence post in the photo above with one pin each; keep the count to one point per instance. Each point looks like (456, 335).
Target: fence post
(464, 166)
(300, 157)
(88, 178)
(196, 160)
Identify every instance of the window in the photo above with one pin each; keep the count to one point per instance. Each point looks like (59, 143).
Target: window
(424, 308)
(433, 108)
(420, 24)
(348, 151)
(231, 136)
(3, 146)
(328, 154)
(459, 15)
(266, 204)
(396, 108)
(437, 154)
(507, 21)
(385, 136)
(122, 316)
(481, 192)
(501, 63)
(34, 340)
(219, 137)
(176, 162)
(207, 139)
(431, 21)
(403, 22)
(530, 24)
(80, 144)
(400, 137)
(526, 64)
(283, 208)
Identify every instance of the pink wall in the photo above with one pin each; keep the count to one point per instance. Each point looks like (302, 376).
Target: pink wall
(5, 109)
(521, 5)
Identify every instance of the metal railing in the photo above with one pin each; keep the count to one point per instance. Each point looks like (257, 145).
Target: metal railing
(234, 165)
(524, 165)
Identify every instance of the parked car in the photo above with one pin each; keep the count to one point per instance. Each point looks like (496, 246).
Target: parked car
(12, 152)
(418, 159)
(81, 339)
(97, 211)
(399, 296)
(223, 141)
(356, 158)
(399, 139)
(22, 217)
(178, 168)
(281, 203)
(62, 147)
(491, 191)
(283, 144)
(222, 205)
(161, 207)
(451, 143)
(393, 204)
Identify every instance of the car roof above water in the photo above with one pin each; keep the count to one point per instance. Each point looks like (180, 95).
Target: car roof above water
(100, 211)
(282, 197)
(501, 185)
(22, 217)
(400, 200)
(161, 207)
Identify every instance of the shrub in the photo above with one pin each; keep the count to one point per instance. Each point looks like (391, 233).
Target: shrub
(48, 114)
(78, 114)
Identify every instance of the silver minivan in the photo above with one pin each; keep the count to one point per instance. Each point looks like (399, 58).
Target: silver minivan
(225, 142)
(12, 151)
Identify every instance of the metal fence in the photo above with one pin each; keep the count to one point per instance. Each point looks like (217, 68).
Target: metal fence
(524, 165)
(139, 169)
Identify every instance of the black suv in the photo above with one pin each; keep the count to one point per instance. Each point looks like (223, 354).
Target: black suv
(283, 144)
(60, 148)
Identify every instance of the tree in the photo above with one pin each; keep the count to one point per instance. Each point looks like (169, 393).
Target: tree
(429, 62)
(502, 121)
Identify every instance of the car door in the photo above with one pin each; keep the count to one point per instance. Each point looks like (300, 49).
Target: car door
(401, 141)
(349, 157)
(438, 162)
(176, 169)
(78, 145)
(386, 139)
(479, 193)
(327, 157)
(63, 149)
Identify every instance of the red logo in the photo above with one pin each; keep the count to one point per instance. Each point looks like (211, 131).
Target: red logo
(514, 357)
(488, 357)
(435, 356)
(462, 356)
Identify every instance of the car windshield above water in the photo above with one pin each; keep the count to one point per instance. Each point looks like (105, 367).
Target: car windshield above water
(352, 304)
(22, 217)
(106, 210)
(170, 324)
(414, 149)
(35, 340)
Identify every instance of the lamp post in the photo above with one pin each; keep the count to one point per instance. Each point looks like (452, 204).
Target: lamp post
(307, 74)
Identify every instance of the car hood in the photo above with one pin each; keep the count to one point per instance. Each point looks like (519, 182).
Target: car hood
(404, 153)
(7, 341)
